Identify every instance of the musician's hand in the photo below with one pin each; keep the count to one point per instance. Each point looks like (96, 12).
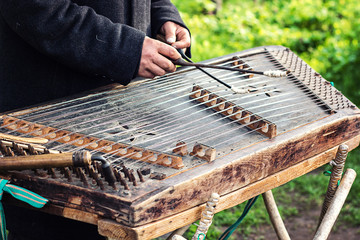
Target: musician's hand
(176, 35)
(155, 57)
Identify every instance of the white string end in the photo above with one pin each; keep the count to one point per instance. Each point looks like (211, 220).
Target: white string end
(239, 90)
(275, 73)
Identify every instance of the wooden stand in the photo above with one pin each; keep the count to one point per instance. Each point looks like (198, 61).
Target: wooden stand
(335, 206)
(274, 215)
(334, 199)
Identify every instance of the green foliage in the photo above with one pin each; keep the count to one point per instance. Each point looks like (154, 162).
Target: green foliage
(322, 32)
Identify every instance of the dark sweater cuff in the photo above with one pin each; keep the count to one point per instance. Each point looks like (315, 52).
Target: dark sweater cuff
(126, 64)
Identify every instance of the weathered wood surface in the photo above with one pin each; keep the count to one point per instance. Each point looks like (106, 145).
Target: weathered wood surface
(336, 205)
(23, 139)
(155, 229)
(338, 165)
(44, 161)
(155, 201)
(65, 195)
(54, 208)
(243, 167)
(93, 143)
(235, 112)
(275, 216)
(114, 230)
(35, 147)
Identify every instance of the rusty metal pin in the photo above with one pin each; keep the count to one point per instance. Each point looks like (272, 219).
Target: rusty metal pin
(141, 177)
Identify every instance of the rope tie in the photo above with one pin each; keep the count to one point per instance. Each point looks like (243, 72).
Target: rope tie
(333, 163)
(19, 193)
(328, 174)
(201, 234)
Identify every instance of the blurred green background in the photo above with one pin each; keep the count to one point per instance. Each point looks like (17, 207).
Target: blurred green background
(325, 34)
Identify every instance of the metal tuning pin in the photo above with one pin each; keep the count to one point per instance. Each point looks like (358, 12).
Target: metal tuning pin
(106, 169)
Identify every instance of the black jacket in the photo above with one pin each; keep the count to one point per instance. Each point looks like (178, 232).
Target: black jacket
(54, 48)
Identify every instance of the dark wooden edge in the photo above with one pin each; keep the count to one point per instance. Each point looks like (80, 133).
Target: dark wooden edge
(243, 167)
(114, 230)
(74, 197)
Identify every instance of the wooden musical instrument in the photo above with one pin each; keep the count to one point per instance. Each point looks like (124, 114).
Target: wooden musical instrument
(175, 140)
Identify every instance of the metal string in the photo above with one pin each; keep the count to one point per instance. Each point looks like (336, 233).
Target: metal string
(139, 120)
(51, 112)
(90, 113)
(153, 123)
(150, 83)
(190, 128)
(102, 93)
(61, 123)
(215, 135)
(202, 96)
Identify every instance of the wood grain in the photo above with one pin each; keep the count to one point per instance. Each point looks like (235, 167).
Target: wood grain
(158, 228)
(93, 143)
(45, 161)
(65, 195)
(243, 167)
(35, 140)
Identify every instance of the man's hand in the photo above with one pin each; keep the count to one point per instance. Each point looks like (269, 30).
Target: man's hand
(155, 57)
(155, 54)
(176, 35)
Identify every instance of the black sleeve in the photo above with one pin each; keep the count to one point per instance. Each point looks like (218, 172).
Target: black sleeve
(163, 11)
(76, 36)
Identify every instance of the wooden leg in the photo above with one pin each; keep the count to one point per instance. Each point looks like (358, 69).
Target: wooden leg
(275, 217)
(177, 237)
(337, 170)
(179, 231)
(335, 206)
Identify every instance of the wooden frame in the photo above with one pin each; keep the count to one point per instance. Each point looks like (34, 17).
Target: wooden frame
(113, 230)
